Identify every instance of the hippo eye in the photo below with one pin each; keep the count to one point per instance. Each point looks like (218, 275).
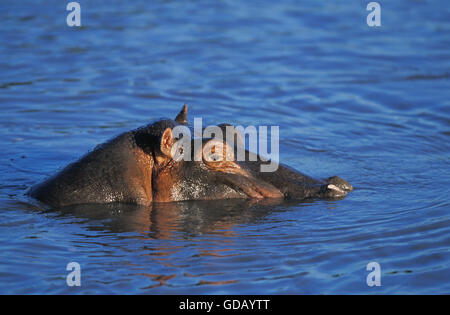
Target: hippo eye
(218, 156)
(215, 151)
(215, 157)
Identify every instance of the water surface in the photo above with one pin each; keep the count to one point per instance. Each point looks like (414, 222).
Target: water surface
(371, 105)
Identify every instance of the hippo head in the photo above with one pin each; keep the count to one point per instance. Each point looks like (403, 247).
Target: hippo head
(207, 168)
(156, 163)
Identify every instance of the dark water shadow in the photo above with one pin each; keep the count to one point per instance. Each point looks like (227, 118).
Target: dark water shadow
(172, 220)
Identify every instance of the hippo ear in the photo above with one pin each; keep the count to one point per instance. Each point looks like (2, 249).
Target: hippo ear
(182, 116)
(167, 142)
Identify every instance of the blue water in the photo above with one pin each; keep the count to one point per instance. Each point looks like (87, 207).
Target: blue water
(371, 105)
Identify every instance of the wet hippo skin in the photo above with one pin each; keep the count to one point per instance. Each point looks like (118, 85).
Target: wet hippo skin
(138, 167)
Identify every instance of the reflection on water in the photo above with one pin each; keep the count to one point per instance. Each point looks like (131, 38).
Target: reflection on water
(173, 219)
(370, 105)
(179, 237)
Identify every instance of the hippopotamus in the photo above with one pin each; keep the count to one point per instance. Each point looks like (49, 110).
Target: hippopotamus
(139, 167)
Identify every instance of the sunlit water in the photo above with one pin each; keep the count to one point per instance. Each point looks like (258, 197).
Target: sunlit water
(370, 105)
